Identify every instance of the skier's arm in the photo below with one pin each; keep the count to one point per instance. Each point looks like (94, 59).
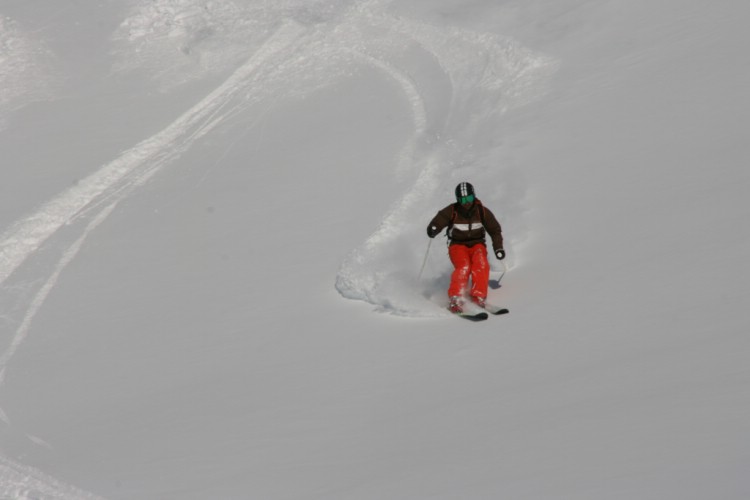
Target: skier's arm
(440, 221)
(492, 226)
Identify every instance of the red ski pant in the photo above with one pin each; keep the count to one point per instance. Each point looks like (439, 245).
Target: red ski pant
(469, 262)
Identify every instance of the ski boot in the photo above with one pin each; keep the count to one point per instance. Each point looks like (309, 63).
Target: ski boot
(455, 305)
(480, 301)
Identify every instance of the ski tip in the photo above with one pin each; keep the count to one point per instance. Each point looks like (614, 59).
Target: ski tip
(501, 311)
(473, 316)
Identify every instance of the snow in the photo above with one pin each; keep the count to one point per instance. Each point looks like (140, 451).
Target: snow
(212, 224)
(26, 70)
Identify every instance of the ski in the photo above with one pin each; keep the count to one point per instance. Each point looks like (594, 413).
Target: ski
(480, 316)
(495, 309)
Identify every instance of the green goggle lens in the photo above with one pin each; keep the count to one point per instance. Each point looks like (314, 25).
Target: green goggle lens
(466, 199)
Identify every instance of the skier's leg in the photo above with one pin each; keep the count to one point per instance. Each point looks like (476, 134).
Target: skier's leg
(461, 260)
(480, 271)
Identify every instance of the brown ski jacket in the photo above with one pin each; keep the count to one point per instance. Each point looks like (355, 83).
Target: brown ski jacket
(468, 227)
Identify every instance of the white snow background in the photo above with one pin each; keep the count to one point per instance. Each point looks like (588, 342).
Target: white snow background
(193, 190)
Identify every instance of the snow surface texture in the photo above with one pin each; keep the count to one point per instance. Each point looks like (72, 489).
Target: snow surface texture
(214, 161)
(25, 69)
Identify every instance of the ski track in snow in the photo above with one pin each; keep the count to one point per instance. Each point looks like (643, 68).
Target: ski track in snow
(317, 53)
(19, 482)
(134, 167)
(109, 185)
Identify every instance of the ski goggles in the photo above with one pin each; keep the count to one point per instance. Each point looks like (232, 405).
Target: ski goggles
(464, 200)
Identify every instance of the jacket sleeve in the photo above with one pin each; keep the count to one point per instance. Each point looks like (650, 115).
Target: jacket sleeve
(492, 226)
(440, 221)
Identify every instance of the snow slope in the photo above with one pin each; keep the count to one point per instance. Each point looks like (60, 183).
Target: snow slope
(194, 188)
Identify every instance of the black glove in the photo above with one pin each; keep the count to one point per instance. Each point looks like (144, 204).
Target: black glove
(432, 231)
(500, 254)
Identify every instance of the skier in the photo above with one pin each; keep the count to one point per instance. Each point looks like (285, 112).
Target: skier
(468, 221)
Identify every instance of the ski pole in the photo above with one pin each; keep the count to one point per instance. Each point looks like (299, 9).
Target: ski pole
(495, 284)
(424, 262)
(505, 268)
